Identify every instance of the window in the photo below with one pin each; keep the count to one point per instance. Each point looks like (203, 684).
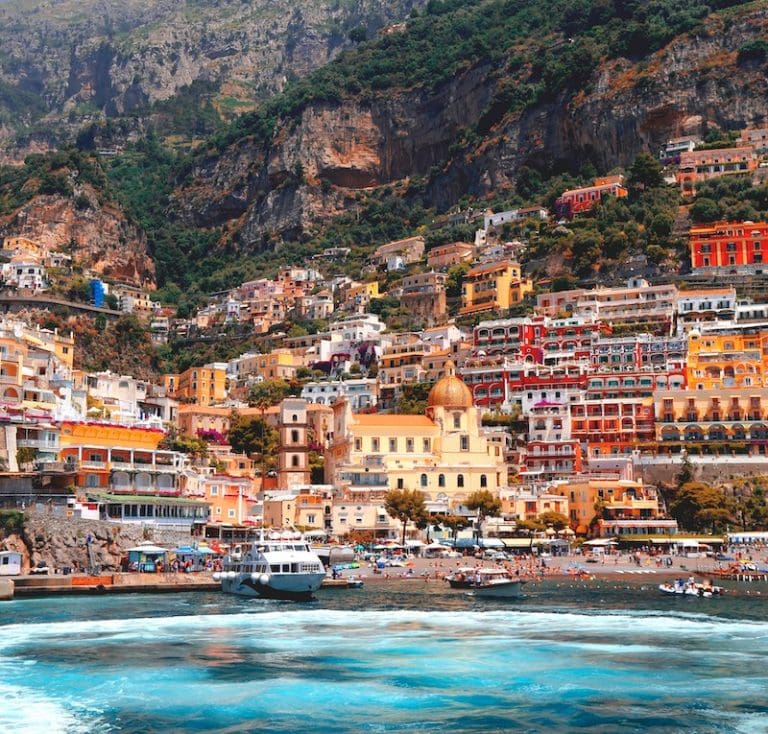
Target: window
(294, 436)
(409, 445)
(374, 444)
(218, 510)
(358, 444)
(460, 480)
(294, 460)
(393, 444)
(423, 480)
(441, 480)
(483, 480)
(457, 420)
(465, 443)
(399, 482)
(231, 513)
(426, 445)
(214, 490)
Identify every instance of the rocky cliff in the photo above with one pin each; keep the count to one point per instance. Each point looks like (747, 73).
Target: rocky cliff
(60, 542)
(463, 141)
(97, 236)
(72, 62)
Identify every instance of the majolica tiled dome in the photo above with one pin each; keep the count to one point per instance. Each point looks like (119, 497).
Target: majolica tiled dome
(450, 391)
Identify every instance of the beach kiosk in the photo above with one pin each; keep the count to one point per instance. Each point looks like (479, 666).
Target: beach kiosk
(145, 558)
(10, 563)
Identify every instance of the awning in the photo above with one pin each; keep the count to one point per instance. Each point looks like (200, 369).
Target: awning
(518, 542)
(491, 543)
(600, 542)
(414, 544)
(466, 543)
(151, 549)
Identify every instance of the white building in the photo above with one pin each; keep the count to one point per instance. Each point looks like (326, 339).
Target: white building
(360, 393)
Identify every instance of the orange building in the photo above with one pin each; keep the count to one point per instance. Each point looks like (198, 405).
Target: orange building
(200, 385)
(727, 359)
(232, 499)
(734, 245)
(120, 459)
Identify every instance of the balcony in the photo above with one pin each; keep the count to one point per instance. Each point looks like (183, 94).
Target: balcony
(34, 443)
(93, 464)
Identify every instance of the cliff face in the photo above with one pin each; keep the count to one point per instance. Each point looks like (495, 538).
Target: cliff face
(97, 236)
(315, 165)
(76, 61)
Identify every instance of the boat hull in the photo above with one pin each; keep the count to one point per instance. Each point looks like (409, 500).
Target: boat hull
(507, 590)
(293, 587)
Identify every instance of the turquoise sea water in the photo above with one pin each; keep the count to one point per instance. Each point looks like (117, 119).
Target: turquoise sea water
(598, 656)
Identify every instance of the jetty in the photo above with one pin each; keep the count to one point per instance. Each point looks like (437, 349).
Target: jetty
(116, 583)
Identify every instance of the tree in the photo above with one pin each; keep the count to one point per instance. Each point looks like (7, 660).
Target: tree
(697, 506)
(406, 505)
(254, 437)
(486, 504)
(685, 474)
(453, 522)
(645, 173)
(191, 445)
(554, 519)
(265, 394)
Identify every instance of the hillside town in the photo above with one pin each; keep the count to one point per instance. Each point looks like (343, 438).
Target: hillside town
(446, 370)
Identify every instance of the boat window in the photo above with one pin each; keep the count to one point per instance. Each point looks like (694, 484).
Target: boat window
(275, 568)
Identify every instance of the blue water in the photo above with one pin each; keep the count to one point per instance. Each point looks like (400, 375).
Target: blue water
(406, 656)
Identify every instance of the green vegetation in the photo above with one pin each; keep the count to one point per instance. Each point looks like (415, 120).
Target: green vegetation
(407, 505)
(11, 522)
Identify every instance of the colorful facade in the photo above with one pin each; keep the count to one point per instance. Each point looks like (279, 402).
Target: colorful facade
(493, 287)
(737, 246)
(577, 201)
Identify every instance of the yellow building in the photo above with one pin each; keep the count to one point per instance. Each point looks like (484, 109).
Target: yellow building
(307, 510)
(201, 385)
(736, 419)
(493, 287)
(359, 294)
(606, 507)
(725, 360)
(443, 453)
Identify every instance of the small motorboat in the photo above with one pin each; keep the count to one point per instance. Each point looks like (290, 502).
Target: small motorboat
(679, 587)
(492, 583)
(462, 578)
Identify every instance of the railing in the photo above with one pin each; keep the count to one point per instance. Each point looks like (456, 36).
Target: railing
(34, 443)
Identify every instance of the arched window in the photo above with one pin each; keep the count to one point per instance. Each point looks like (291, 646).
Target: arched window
(295, 436)
(441, 480)
(423, 480)
(294, 460)
(457, 420)
(460, 480)
(483, 480)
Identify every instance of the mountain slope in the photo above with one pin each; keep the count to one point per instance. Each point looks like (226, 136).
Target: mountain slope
(72, 62)
(465, 97)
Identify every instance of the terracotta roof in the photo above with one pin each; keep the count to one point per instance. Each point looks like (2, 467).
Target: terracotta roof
(393, 419)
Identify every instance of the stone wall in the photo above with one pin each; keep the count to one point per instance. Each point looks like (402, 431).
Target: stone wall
(60, 542)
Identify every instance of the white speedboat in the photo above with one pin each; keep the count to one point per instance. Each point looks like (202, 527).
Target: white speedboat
(691, 588)
(273, 569)
(493, 583)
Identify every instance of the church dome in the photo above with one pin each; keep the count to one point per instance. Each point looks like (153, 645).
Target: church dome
(449, 391)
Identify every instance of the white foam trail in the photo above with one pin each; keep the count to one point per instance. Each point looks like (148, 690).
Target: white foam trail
(31, 712)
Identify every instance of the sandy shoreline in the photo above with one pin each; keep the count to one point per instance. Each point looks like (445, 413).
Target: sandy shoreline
(568, 567)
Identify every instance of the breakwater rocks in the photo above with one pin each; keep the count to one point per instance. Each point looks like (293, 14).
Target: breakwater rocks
(61, 542)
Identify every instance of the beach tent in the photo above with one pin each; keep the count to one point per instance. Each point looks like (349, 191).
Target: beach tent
(145, 557)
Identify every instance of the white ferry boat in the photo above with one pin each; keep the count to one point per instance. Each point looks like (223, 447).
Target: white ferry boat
(273, 569)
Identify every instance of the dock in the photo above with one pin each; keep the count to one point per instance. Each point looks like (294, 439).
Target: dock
(117, 583)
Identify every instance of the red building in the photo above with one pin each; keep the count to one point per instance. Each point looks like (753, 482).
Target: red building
(577, 201)
(732, 245)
